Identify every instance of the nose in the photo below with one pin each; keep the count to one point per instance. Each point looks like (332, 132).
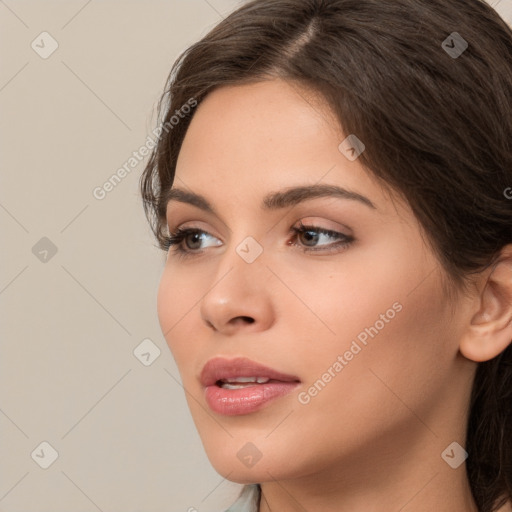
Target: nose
(238, 298)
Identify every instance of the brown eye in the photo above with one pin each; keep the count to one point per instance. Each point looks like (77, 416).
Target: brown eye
(310, 236)
(193, 237)
(193, 240)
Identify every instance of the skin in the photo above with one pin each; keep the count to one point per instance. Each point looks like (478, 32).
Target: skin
(371, 440)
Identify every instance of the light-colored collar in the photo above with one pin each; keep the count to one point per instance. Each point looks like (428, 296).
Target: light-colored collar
(248, 501)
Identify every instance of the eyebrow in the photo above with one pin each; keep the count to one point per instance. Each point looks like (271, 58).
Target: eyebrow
(275, 200)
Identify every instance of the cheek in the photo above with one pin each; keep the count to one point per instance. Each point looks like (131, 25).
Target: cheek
(396, 346)
(175, 299)
(386, 317)
(367, 289)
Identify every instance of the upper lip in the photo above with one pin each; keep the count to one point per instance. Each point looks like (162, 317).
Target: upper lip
(220, 368)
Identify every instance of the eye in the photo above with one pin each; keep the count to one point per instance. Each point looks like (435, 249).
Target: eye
(310, 237)
(192, 238)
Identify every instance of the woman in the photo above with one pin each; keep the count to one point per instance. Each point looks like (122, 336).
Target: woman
(332, 183)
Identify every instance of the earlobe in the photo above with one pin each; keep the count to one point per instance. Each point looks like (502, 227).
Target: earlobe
(490, 329)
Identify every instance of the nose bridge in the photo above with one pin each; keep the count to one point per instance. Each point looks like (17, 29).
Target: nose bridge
(244, 253)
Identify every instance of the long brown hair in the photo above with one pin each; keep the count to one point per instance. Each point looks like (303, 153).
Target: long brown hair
(437, 126)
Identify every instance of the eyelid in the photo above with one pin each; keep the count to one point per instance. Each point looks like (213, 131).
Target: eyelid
(195, 226)
(314, 221)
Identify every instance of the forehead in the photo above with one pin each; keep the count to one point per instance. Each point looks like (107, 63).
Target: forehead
(247, 140)
(254, 124)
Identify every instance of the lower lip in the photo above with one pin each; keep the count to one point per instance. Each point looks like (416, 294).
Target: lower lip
(232, 402)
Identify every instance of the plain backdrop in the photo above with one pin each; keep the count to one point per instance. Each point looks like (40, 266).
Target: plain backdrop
(88, 387)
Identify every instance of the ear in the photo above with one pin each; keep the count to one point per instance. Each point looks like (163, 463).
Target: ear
(490, 329)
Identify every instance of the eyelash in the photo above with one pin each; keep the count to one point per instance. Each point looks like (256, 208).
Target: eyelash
(176, 237)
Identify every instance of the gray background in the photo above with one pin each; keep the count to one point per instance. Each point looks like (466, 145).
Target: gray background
(70, 321)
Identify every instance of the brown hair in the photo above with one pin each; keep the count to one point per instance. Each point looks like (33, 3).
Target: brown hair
(437, 127)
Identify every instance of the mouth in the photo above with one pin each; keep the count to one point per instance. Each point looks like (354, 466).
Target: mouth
(241, 386)
(243, 382)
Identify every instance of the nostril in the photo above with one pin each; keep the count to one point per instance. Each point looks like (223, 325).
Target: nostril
(247, 319)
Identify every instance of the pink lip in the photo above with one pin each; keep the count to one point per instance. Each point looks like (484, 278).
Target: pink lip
(249, 399)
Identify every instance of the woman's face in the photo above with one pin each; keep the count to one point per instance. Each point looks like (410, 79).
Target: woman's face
(357, 318)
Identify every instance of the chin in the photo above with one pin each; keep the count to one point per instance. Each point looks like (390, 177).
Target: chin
(241, 462)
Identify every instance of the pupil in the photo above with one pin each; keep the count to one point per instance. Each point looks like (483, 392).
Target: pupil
(311, 237)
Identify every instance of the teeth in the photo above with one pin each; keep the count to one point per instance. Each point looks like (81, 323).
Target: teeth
(242, 382)
(259, 380)
(225, 385)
